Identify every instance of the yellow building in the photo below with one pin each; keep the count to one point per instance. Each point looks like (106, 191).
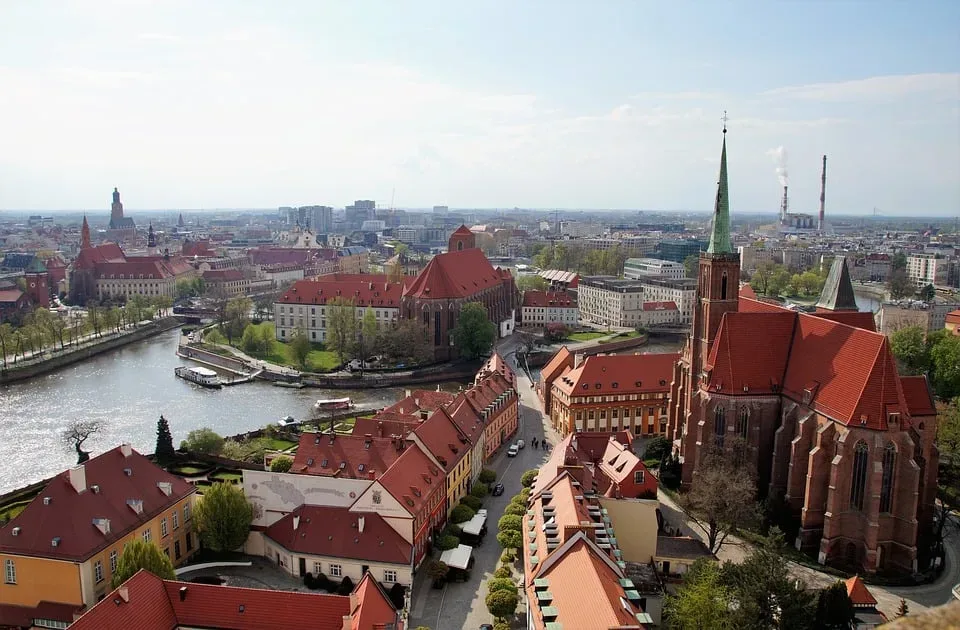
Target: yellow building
(59, 555)
(443, 439)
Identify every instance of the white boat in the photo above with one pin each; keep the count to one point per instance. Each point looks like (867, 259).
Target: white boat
(289, 421)
(327, 404)
(202, 376)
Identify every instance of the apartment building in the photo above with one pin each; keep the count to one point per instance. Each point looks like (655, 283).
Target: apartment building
(641, 268)
(609, 301)
(682, 292)
(753, 256)
(541, 308)
(633, 245)
(924, 269)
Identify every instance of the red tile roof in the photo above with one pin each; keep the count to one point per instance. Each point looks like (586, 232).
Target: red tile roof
(91, 256)
(620, 374)
(659, 306)
(748, 305)
(386, 424)
(373, 291)
(857, 319)
(457, 274)
(23, 616)
(555, 299)
(335, 532)
(746, 291)
(953, 317)
(858, 593)
(10, 296)
(462, 231)
(556, 364)
(495, 364)
(344, 456)
(223, 275)
(198, 248)
(917, 394)
(465, 418)
(737, 338)
(373, 608)
(283, 255)
(146, 602)
(421, 400)
(441, 436)
(78, 536)
(413, 479)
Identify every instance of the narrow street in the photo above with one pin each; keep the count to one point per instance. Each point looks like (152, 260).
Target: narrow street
(461, 604)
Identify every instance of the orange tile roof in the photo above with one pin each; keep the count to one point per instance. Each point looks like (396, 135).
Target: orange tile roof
(917, 394)
(555, 365)
(620, 374)
(413, 479)
(858, 593)
(746, 291)
(737, 338)
(457, 274)
(335, 531)
(78, 537)
(386, 424)
(421, 400)
(465, 418)
(373, 606)
(442, 437)
(857, 319)
(659, 306)
(368, 292)
(555, 299)
(344, 456)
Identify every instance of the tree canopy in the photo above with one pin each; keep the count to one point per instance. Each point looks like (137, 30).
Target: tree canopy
(139, 554)
(204, 440)
(532, 283)
(281, 464)
(474, 333)
(223, 517)
(936, 354)
(164, 450)
(702, 602)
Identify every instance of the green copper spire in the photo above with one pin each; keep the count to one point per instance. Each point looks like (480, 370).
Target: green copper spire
(720, 235)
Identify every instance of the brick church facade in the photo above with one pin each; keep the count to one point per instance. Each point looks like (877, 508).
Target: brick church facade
(833, 432)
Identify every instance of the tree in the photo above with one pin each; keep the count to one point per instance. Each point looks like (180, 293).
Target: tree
(509, 522)
(138, 554)
(404, 342)
(702, 602)
(510, 539)
(300, 347)
(555, 331)
(253, 342)
(204, 441)
(899, 285)
(223, 517)
(527, 478)
(447, 542)
(898, 261)
(834, 608)
(164, 449)
(237, 316)
(501, 584)
(532, 283)
(479, 490)
(690, 264)
(368, 336)
(487, 476)
(945, 363)
(341, 326)
(658, 448)
(6, 341)
(909, 346)
(78, 432)
(472, 502)
(474, 333)
(502, 604)
(721, 498)
(515, 508)
(281, 464)
(948, 473)
(927, 293)
(346, 586)
(461, 514)
(398, 595)
(437, 572)
(95, 317)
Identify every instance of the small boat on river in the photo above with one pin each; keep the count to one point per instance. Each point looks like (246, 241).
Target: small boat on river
(333, 404)
(205, 377)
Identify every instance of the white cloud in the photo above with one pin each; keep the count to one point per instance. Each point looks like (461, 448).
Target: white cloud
(883, 87)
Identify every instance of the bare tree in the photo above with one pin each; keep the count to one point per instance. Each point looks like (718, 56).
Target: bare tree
(78, 432)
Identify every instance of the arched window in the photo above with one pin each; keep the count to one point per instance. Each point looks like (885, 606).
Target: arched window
(719, 427)
(723, 286)
(858, 483)
(742, 423)
(886, 485)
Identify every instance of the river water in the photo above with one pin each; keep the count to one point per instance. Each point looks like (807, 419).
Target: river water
(127, 389)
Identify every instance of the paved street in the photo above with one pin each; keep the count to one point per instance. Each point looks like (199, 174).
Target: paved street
(461, 605)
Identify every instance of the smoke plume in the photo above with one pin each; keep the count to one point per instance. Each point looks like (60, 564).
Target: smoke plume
(779, 156)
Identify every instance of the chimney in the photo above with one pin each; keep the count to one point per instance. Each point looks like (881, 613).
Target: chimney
(578, 359)
(183, 593)
(379, 428)
(296, 522)
(823, 192)
(78, 478)
(125, 594)
(360, 524)
(126, 449)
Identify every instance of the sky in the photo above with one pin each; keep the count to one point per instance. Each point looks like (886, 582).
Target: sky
(493, 104)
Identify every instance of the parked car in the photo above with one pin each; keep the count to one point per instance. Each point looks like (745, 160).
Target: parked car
(512, 451)
(498, 490)
(521, 444)
(486, 626)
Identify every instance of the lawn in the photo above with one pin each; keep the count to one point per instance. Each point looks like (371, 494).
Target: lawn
(215, 349)
(279, 444)
(188, 470)
(586, 336)
(319, 359)
(233, 477)
(12, 511)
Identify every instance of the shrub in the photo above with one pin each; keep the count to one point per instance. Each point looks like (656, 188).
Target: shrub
(502, 604)
(501, 584)
(397, 595)
(508, 556)
(479, 490)
(526, 480)
(452, 530)
(510, 539)
(346, 586)
(509, 522)
(657, 448)
(472, 502)
(518, 499)
(203, 440)
(503, 572)
(447, 542)
(281, 464)
(515, 508)
(322, 583)
(525, 495)
(461, 514)
(501, 625)
(487, 476)
(309, 582)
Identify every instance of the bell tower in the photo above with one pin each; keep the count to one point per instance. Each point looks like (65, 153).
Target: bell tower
(718, 281)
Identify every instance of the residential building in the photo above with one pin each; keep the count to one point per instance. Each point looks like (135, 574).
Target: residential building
(609, 301)
(638, 245)
(441, 438)
(829, 426)
(338, 543)
(952, 322)
(925, 269)
(640, 268)
(14, 303)
(541, 308)
(495, 401)
(226, 281)
(682, 292)
(146, 602)
(659, 314)
(754, 256)
(61, 552)
(611, 393)
(676, 554)
(678, 249)
(871, 268)
(930, 316)
(556, 366)
(319, 218)
(470, 424)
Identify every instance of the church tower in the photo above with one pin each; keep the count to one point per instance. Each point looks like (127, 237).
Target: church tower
(85, 234)
(116, 211)
(151, 241)
(462, 239)
(718, 281)
(38, 288)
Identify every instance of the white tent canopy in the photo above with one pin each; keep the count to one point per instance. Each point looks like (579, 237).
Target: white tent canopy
(475, 524)
(458, 558)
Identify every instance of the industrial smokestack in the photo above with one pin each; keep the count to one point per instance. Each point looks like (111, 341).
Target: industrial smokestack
(784, 206)
(823, 191)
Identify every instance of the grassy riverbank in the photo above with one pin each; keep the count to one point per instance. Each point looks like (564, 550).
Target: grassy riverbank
(279, 353)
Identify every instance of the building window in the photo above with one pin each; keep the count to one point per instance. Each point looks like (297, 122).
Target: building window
(336, 570)
(163, 527)
(189, 540)
(886, 485)
(742, 423)
(176, 520)
(166, 552)
(186, 512)
(176, 549)
(9, 572)
(389, 576)
(859, 481)
(638, 477)
(98, 571)
(317, 568)
(719, 427)
(147, 535)
(113, 561)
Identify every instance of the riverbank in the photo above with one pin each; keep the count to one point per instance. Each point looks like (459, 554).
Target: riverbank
(56, 360)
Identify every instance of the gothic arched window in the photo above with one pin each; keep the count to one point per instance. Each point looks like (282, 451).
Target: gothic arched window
(719, 427)
(742, 423)
(858, 483)
(723, 286)
(886, 484)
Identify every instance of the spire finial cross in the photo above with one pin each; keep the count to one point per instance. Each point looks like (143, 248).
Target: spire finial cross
(724, 119)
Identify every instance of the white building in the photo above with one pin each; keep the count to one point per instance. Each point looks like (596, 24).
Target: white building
(541, 308)
(659, 314)
(641, 268)
(682, 292)
(609, 301)
(924, 269)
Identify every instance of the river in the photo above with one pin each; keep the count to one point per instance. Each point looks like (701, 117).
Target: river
(127, 389)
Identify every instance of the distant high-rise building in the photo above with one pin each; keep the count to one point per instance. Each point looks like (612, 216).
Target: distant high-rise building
(319, 218)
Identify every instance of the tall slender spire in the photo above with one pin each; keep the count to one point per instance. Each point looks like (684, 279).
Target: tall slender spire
(720, 235)
(85, 234)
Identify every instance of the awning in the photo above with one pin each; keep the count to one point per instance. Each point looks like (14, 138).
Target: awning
(458, 558)
(475, 524)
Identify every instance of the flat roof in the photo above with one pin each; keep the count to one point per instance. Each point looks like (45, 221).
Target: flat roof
(458, 558)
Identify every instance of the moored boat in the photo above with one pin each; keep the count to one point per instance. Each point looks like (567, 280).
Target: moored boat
(327, 404)
(205, 377)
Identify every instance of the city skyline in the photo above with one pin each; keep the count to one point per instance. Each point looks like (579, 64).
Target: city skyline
(616, 107)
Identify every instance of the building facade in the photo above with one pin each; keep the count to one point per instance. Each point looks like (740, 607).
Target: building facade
(609, 301)
(639, 268)
(541, 308)
(925, 269)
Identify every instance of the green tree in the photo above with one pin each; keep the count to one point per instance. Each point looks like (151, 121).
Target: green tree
(480, 490)
(927, 293)
(898, 261)
(510, 539)
(237, 318)
(461, 514)
(203, 440)
(528, 477)
(253, 342)
(487, 476)
(300, 347)
(223, 517)
(532, 283)
(515, 508)
(139, 554)
(948, 474)
(341, 327)
(281, 464)
(834, 608)
(702, 602)
(658, 448)
(474, 333)
(164, 449)
(502, 604)
(909, 346)
(691, 264)
(6, 341)
(945, 363)
(510, 522)
(367, 339)
(501, 584)
(899, 285)
(447, 542)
